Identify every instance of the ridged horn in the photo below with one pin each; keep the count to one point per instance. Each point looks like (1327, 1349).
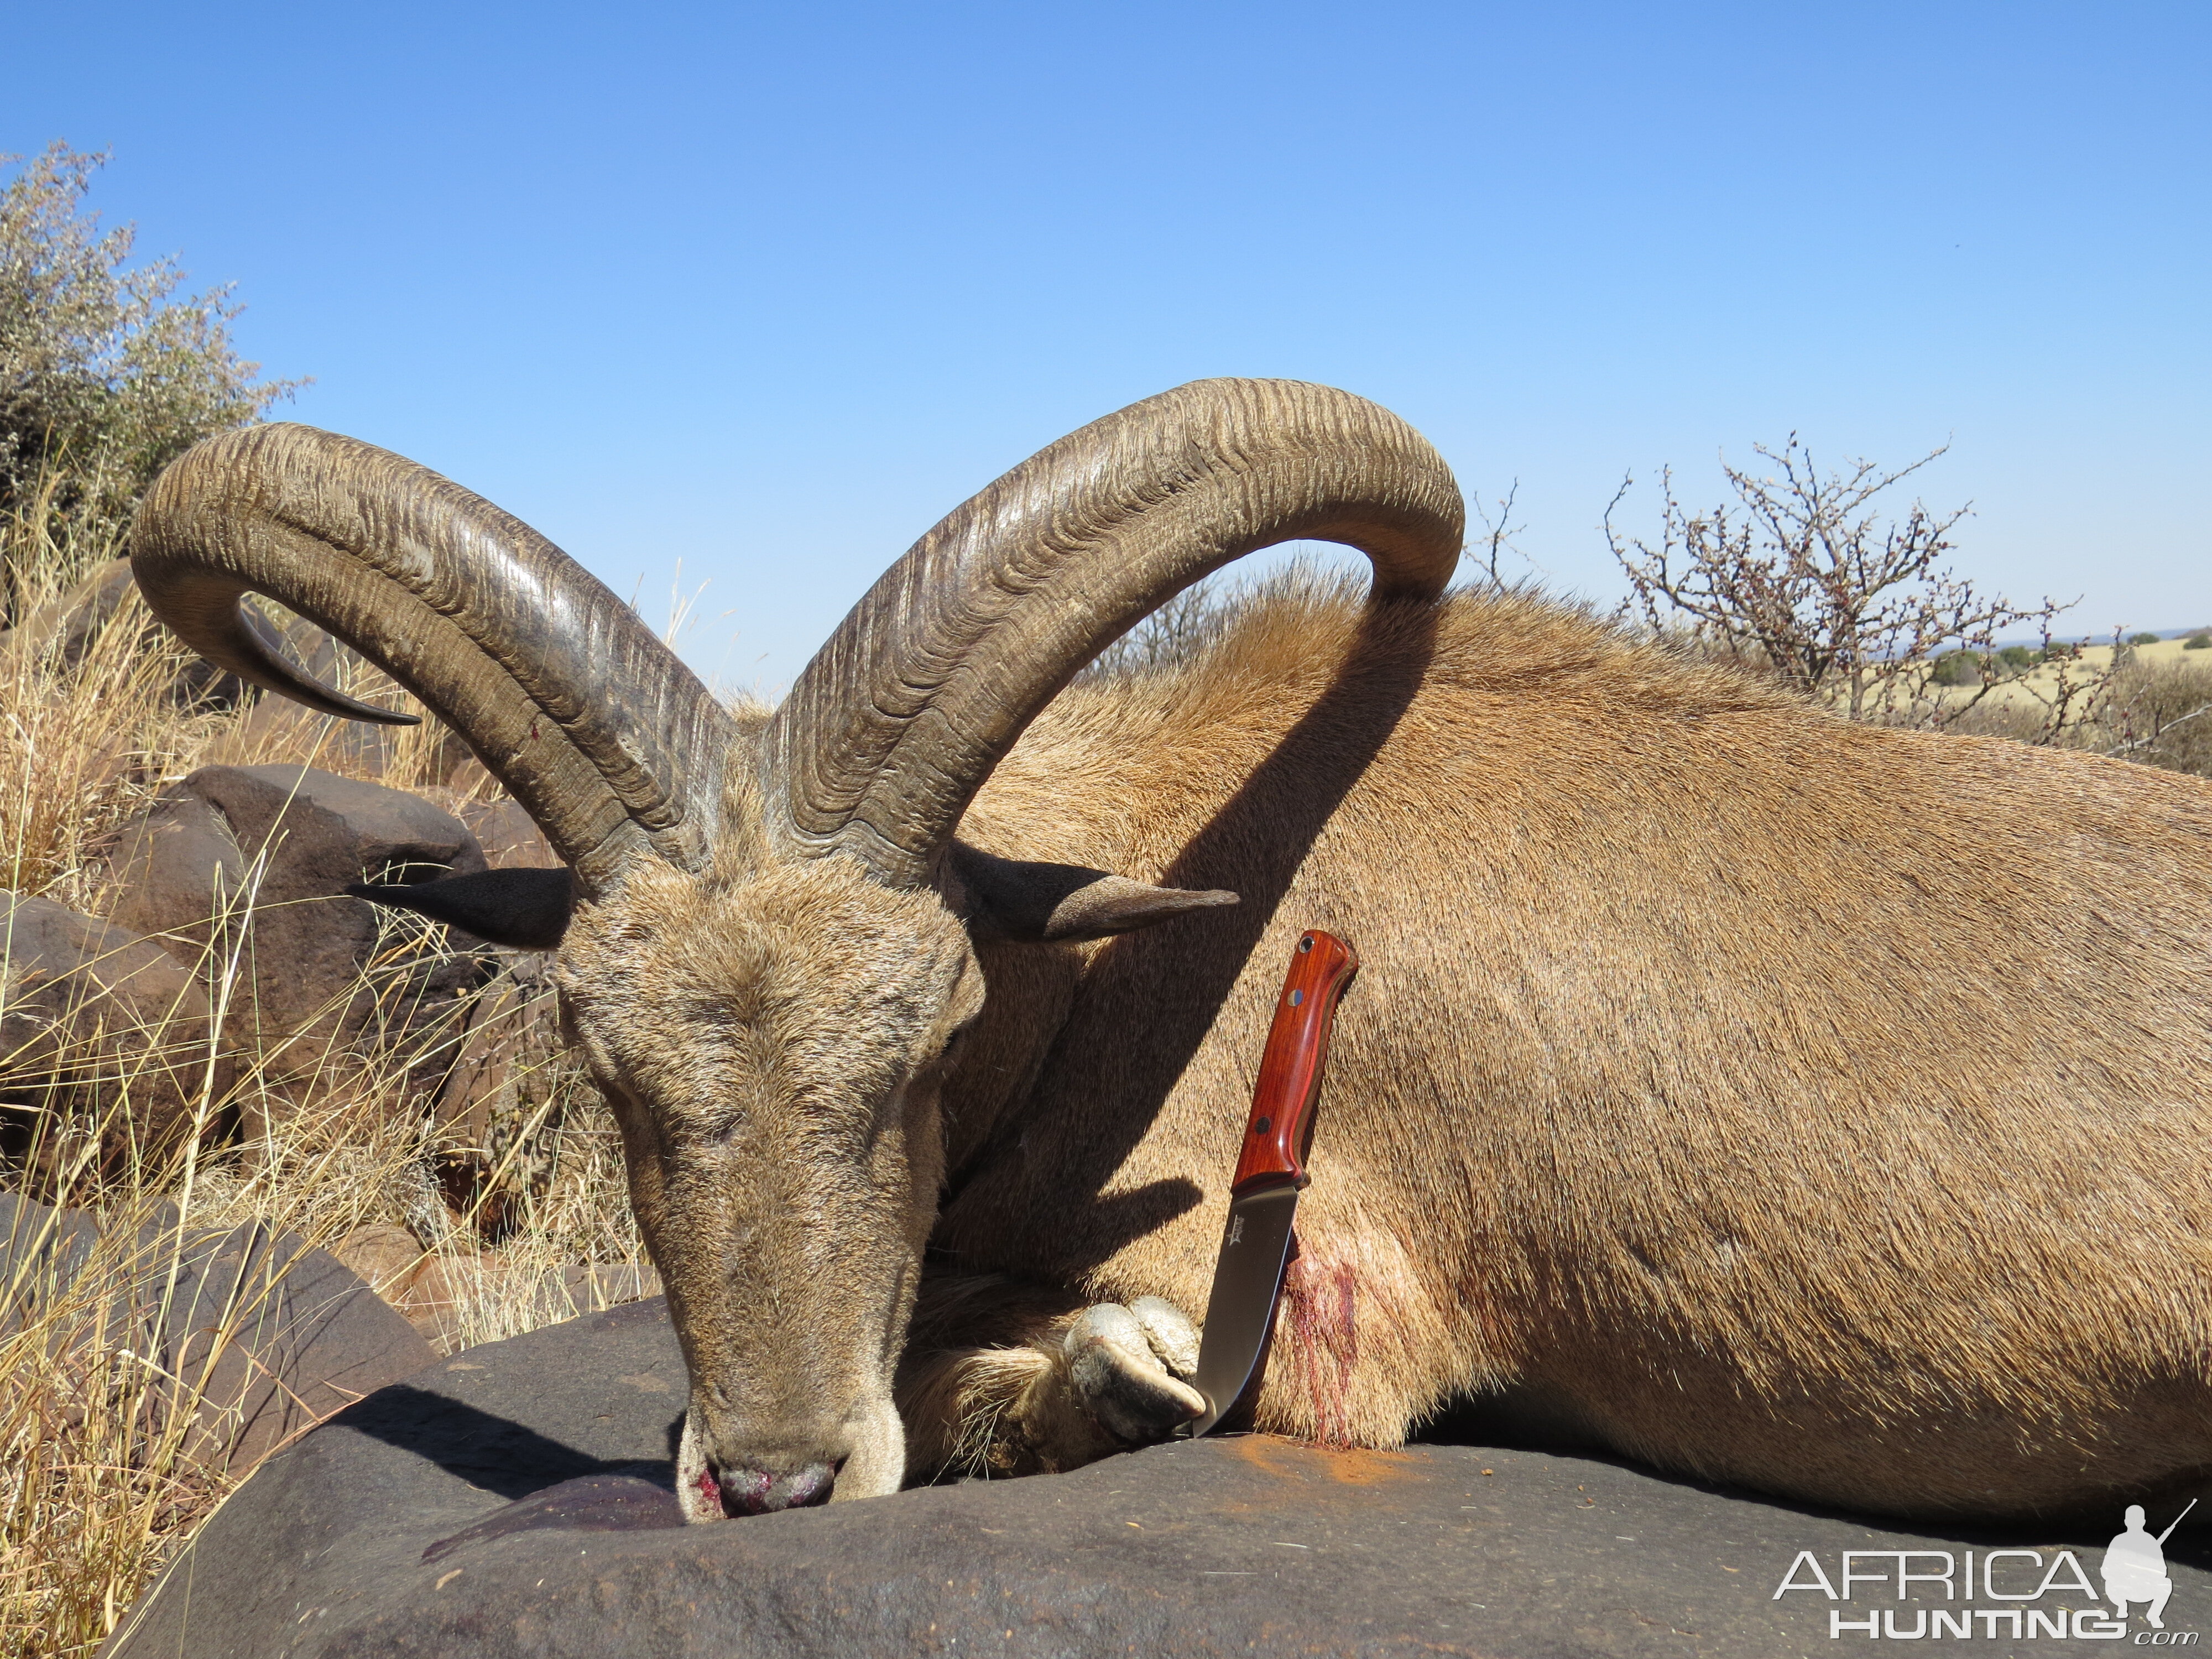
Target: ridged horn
(607, 739)
(899, 718)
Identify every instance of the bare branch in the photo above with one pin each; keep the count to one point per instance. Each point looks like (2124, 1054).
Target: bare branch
(1804, 573)
(1497, 539)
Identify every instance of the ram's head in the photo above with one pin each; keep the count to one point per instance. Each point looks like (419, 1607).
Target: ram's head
(766, 933)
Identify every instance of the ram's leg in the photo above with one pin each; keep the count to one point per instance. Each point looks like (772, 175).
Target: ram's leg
(1005, 1379)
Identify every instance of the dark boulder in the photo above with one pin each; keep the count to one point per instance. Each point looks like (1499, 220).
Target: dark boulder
(501, 1109)
(75, 627)
(510, 837)
(436, 1288)
(249, 862)
(505, 1089)
(515, 1500)
(248, 1334)
(104, 1037)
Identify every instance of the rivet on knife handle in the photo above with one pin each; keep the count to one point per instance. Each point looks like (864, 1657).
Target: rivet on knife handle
(1291, 1065)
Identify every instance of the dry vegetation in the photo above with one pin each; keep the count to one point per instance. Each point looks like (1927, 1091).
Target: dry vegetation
(108, 369)
(1808, 577)
(94, 1490)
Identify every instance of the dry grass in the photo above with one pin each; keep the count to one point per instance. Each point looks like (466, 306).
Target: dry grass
(96, 1489)
(2149, 703)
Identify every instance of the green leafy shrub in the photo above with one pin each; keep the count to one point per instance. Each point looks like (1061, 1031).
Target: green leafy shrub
(1957, 668)
(2142, 639)
(106, 372)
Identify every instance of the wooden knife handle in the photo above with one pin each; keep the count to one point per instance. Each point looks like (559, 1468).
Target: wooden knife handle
(1289, 1070)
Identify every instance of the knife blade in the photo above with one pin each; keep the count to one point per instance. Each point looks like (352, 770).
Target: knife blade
(1271, 1172)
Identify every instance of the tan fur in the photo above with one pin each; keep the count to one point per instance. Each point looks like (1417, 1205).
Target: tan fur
(996, 1404)
(769, 1043)
(1804, 1104)
(1785, 1101)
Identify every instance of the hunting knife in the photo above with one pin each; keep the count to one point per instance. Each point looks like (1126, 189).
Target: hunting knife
(1271, 1172)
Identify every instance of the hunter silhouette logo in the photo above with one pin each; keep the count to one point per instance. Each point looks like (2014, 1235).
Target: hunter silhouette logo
(2024, 1595)
(2135, 1567)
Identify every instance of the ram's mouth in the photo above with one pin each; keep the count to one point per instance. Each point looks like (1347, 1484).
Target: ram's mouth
(705, 1490)
(707, 1494)
(698, 1494)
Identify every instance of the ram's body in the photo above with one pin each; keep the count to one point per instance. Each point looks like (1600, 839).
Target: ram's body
(1793, 1101)
(1809, 1105)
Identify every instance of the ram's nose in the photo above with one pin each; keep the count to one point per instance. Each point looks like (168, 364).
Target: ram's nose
(760, 1492)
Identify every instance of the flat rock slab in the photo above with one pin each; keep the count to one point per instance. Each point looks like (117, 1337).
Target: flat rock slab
(515, 1499)
(259, 1336)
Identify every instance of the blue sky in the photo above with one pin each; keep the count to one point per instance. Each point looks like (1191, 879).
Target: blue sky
(765, 291)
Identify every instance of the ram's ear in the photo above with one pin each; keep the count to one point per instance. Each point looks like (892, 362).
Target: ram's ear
(1041, 903)
(524, 909)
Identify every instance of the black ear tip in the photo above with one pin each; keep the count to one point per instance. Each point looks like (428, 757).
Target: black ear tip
(523, 909)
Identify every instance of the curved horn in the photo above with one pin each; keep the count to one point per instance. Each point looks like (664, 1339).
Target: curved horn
(608, 740)
(899, 718)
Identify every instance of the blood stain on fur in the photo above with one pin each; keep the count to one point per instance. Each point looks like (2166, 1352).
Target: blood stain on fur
(1322, 1299)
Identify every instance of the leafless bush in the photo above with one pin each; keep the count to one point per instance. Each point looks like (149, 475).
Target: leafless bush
(1178, 632)
(1804, 575)
(2161, 714)
(1496, 540)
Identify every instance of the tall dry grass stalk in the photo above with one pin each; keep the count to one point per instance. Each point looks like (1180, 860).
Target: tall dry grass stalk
(104, 1469)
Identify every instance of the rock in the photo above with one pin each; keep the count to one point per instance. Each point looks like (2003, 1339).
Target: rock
(479, 1028)
(388, 1258)
(436, 1290)
(510, 837)
(102, 1035)
(267, 850)
(515, 1500)
(501, 1095)
(499, 1109)
(258, 1336)
(72, 628)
